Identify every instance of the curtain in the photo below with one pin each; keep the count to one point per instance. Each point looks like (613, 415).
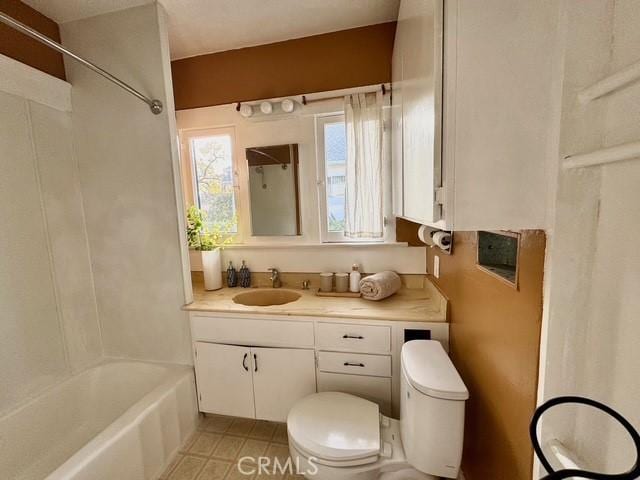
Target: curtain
(363, 196)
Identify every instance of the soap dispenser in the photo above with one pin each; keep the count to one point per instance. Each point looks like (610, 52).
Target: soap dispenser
(244, 276)
(232, 276)
(354, 278)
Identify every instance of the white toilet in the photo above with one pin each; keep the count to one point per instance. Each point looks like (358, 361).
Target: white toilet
(337, 436)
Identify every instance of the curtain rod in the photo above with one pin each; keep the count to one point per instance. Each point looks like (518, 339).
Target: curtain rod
(154, 104)
(306, 101)
(383, 88)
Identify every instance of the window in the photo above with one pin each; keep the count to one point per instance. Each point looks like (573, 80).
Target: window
(332, 174)
(335, 168)
(212, 167)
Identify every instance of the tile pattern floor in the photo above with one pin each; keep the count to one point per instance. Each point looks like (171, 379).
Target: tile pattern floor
(212, 453)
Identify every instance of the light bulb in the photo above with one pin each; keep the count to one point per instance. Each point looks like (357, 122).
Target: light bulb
(246, 110)
(266, 107)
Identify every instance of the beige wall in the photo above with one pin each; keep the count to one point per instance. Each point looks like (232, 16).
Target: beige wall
(128, 174)
(332, 61)
(24, 49)
(49, 326)
(494, 340)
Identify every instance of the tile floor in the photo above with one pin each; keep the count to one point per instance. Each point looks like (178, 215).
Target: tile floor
(213, 451)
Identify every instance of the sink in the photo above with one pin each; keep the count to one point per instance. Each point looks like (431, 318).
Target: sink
(264, 298)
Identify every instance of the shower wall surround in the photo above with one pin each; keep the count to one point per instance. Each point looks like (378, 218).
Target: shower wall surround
(128, 170)
(49, 326)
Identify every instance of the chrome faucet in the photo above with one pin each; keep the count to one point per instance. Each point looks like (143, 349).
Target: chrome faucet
(275, 278)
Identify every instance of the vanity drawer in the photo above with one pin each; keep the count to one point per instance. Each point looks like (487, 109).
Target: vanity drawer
(355, 363)
(249, 331)
(376, 389)
(354, 337)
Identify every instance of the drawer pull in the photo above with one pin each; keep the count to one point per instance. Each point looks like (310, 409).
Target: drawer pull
(351, 364)
(355, 337)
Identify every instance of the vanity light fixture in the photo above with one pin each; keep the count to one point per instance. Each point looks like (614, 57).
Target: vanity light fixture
(266, 108)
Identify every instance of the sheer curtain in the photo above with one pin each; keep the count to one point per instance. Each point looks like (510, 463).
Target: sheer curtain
(363, 202)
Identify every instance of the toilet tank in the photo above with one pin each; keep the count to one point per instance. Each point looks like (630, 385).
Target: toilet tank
(431, 409)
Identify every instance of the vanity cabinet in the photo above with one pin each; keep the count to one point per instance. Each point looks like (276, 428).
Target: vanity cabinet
(259, 366)
(252, 382)
(479, 159)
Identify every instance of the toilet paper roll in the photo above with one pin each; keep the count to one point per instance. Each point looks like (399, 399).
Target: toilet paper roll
(442, 240)
(424, 234)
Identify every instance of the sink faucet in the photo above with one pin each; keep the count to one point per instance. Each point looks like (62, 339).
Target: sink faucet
(275, 278)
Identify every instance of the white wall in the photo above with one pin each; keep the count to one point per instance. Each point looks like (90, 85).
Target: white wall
(303, 253)
(49, 324)
(590, 326)
(127, 162)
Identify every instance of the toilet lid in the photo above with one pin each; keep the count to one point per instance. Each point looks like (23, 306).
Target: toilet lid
(335, 426)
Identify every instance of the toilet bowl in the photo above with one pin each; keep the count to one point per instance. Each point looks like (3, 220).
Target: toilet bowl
(339, 436)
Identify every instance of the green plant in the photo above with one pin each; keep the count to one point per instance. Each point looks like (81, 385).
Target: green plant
(195, 224)
(214, 239)
(204, 238)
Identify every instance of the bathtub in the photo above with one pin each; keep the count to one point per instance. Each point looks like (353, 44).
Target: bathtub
(121, 420)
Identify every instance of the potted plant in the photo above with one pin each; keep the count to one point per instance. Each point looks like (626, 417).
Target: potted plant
(210, 242)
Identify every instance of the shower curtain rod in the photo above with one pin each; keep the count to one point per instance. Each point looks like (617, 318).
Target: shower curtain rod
(154, 104)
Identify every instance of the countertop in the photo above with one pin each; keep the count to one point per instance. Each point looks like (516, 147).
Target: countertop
(420, 303)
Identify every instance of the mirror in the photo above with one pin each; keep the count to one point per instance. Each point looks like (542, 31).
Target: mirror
(273, 188)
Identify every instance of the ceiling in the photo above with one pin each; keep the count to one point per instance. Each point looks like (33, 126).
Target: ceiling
(206, 26)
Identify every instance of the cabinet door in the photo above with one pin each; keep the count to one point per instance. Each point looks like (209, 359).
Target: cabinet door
(281, 377)
(396, 125)
(420, 30)
(223, 377)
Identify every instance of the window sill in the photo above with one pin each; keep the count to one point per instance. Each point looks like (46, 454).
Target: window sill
(240, 246)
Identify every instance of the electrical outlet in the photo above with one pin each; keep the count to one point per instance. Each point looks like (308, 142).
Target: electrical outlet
(436, 266)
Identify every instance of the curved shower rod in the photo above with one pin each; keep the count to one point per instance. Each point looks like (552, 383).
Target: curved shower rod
(154, 104)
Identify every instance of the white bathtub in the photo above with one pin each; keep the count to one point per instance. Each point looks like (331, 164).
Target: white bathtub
(120, 420)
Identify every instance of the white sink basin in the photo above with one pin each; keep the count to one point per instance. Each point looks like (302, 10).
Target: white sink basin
(266, 297)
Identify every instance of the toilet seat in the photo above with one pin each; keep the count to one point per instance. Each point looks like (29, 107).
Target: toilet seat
(337, 429)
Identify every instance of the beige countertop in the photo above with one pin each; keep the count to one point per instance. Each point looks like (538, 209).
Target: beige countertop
(418, 301)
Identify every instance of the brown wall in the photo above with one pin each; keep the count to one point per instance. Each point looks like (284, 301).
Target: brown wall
(495, 337)
(24, 49)
(344, 59)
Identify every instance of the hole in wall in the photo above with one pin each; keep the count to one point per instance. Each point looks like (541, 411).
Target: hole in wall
(498, 255)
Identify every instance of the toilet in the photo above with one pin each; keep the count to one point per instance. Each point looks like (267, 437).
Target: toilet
(338, 436)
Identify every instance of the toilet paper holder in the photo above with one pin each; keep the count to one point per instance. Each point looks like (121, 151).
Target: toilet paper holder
(435, 237)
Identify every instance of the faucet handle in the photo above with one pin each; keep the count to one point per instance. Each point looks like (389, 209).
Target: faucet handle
(305, 284)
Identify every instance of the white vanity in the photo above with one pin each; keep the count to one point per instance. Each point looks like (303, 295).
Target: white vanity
(257, 365)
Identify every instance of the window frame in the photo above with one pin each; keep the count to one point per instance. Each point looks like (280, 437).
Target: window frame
(325, 235)
(189, 181)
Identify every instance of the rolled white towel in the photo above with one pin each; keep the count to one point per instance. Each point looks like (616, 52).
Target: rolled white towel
(380, 285)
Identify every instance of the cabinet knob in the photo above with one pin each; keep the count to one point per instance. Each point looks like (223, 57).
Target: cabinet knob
(255, 362)
(355, 337)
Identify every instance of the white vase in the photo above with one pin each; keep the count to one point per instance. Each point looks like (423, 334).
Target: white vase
(212, 268)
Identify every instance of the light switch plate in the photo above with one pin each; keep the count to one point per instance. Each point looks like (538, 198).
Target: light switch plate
(436, 266)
